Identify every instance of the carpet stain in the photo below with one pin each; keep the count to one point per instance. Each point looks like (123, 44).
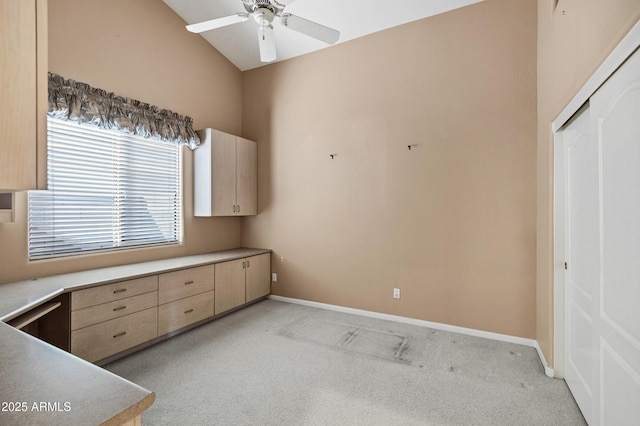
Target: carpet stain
(377, 343)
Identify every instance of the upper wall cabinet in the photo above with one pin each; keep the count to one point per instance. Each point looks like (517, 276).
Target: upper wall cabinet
(23, 84)
(225, 175)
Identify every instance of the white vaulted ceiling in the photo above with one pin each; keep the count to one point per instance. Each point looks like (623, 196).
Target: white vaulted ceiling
(353, 18)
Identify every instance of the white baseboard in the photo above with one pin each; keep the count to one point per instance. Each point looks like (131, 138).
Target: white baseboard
(421, 323)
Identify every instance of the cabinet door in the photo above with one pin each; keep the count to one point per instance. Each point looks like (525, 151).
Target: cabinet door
(225, 175)
(18, 68)
(258, 278)
(246, 177)
(230, 291)
(214, 174)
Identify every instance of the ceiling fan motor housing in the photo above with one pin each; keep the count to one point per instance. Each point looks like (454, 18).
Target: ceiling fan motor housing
(255, 5)
(263, 16)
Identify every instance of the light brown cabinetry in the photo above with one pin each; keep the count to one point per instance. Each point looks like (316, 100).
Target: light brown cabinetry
(225, 175)
(181, 313)
(23, 84)
(103, 322)
(185, 297)
(258, 278)
(230, 290)
(111, 292)
(242, 281)
(114, 317)
(106, 311)
(107, 338)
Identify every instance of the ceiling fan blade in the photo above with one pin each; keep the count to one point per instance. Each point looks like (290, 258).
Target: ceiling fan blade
(310, 28)
(267, 43)
(217, 23)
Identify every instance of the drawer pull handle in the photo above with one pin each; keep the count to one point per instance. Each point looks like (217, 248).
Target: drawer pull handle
(188, 311)
(122, 333)
(120, 290)
(188, 282)
(119, 308)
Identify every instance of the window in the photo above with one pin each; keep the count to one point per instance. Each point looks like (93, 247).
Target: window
(107, 191)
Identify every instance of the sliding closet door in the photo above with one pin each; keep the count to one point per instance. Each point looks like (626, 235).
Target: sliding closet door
(616, 127)
(582, 256)
(602, 251)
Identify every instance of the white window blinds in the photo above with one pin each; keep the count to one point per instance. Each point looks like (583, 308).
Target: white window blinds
(107, 191)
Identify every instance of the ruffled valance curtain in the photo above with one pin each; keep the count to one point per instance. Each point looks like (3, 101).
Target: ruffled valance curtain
(71, 100)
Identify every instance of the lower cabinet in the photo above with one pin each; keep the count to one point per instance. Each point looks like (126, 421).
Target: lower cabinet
(258, 277)
(114, 317)
(242, 281)
(230, 291)
(111, 318)
(185, 297)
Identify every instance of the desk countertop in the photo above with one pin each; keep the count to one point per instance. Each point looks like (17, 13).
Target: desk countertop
(21, 296)
(42, 384)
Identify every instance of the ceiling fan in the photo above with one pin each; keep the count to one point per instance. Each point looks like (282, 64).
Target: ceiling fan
(264, 12)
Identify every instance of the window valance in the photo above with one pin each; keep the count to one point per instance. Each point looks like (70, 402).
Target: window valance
(75, 101)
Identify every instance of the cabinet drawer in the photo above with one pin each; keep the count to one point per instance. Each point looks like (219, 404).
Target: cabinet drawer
(107, 311)
(110, 337)
(184, 283)
(175, 315)
(110, 292)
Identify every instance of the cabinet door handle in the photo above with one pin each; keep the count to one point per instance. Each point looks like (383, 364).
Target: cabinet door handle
(238, 208)
(188, 282)
(244, 265)
(188, 311)
(122, 333)
(248, 264)
(120, 290)
(119, 308)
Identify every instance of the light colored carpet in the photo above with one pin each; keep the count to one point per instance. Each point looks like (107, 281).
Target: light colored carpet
(276, 363)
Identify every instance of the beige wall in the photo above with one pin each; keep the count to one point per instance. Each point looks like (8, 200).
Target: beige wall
(137, 49)
(574, 38)
(450, 222)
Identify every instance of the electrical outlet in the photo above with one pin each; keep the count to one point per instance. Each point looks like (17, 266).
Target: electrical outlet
(274, 277)
(396, 293)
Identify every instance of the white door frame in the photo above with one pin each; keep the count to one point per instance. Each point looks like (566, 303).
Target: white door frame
(623, 50)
